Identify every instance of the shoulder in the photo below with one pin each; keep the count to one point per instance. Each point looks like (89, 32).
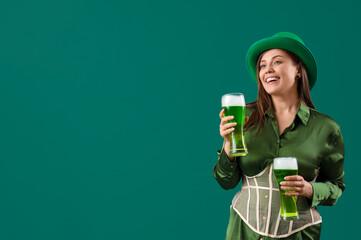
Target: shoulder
(327, 130)
(324, 121)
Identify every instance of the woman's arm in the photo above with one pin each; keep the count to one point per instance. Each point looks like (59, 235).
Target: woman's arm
(226, 172)
(330, 184)
(330, 181)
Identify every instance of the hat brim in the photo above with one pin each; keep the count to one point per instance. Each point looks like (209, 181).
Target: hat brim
(282, 43)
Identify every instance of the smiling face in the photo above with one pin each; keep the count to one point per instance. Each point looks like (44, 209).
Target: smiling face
(277, 72)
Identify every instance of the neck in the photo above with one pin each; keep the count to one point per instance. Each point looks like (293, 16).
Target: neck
(285, 104)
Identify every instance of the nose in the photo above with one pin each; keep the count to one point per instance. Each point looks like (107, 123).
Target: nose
(269, 69)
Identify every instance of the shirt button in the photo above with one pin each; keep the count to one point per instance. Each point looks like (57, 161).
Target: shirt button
(278, 141)
(266, 196)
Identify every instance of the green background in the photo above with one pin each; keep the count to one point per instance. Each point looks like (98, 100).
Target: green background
(109, 111)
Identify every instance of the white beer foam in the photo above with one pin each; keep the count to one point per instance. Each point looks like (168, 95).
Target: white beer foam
(233, 100)
(285, 163)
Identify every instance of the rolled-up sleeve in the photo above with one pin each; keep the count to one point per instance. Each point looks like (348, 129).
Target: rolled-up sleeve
(227, 173)
(330, 183)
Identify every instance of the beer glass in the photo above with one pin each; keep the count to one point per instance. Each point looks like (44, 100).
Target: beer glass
(234, 105)
(283, 167)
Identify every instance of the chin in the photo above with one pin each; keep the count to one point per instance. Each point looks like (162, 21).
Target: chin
(271, 91)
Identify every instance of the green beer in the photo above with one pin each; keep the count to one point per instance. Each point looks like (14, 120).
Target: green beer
(234, 105)
(286, 167)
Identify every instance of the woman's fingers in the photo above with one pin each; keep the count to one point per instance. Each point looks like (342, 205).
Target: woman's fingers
(227, 125)
(226, 129)
(221, 113)
(294, 178)
(292, 183)
(226, 132)
(297, 189)
(225, 119)
(292, 191)
(221, 116)
(296, 185)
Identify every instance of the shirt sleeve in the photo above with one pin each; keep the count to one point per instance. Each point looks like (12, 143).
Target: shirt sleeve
(330, 184)
(227, 173)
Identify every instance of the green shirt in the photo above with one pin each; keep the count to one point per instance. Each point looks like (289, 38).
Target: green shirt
(313, 138)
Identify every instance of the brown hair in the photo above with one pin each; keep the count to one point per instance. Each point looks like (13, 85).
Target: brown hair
(264, 101)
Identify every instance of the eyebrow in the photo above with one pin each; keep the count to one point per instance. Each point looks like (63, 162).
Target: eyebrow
(273, 57)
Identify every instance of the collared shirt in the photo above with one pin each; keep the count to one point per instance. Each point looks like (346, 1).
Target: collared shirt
(313, 138)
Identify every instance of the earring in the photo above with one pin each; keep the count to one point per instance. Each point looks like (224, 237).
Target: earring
(298, 77)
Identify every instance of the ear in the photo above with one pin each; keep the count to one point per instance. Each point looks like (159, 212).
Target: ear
(299, 74)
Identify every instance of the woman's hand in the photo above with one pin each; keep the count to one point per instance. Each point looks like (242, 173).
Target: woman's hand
(297, 184)
(226, 128)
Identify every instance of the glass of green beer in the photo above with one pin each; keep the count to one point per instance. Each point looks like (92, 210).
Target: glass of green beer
(234, 105)
(282, 167)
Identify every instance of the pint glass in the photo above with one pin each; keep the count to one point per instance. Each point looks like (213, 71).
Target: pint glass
(286, 167)
(234, 105)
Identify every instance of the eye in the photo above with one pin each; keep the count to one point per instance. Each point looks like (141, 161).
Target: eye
(262, 66)
(277, 62)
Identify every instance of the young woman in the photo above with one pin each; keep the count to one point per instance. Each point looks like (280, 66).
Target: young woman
(282, 122)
